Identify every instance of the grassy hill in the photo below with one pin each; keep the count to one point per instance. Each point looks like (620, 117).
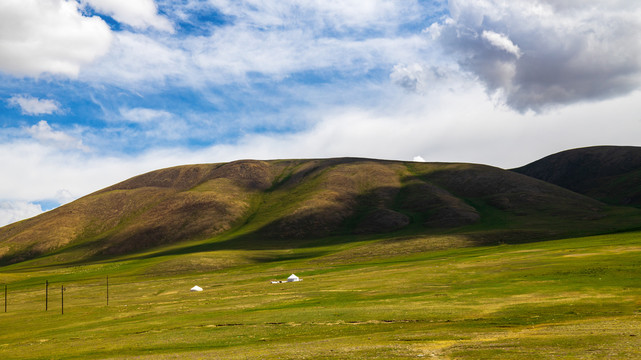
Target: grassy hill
(291, 203)
(399, 260)
(611, 174)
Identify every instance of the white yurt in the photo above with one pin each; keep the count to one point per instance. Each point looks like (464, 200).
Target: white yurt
(293, 278)
(196, 288)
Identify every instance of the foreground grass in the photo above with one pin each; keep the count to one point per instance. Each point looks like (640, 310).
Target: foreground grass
(576, 298)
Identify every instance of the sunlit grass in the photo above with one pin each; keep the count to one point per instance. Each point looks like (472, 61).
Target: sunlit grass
(572, 298)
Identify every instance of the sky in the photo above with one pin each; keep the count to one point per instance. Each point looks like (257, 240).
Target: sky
(93, 92)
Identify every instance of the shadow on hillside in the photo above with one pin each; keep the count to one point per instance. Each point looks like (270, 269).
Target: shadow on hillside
(418, 208)
(495, 210)
(484, 205)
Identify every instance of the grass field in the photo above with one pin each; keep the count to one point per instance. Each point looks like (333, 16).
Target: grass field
(577, 298)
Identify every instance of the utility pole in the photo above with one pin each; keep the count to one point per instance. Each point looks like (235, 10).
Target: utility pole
(107, 290)
(62, 299)
(46, 295)
(5, 298)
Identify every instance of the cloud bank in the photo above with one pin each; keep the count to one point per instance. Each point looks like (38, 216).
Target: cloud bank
(543, 53)
(43, 133)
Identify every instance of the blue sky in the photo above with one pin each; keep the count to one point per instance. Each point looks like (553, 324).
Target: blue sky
(95, 91)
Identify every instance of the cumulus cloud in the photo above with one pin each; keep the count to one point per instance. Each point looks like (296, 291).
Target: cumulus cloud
(543, 53)
(140, 14)
(49, 36)
(43, 132)
(34, 106)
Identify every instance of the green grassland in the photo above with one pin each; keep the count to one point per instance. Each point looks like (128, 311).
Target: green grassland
(403, 297)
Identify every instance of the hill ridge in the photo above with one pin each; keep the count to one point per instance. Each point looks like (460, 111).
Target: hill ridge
(288, 203)
(611, 174)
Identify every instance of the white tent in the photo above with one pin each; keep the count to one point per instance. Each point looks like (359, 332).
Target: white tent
(196, 288)
(293, 278)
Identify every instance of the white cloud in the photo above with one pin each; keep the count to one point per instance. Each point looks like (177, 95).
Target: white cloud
(46, 135)
(319, 14)
(140, 14)
(49, 36)
(12, 211)
(141, 61)
(34, 106)
(143, 115)
(64, 196)
(272, 39)
(232, 52)
(157, 124)
(502, 42)
(454, 126)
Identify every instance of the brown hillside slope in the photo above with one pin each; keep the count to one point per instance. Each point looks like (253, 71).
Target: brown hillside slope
(144, 211)
(289, 201)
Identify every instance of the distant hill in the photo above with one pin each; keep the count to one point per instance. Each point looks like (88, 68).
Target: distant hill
(611, 174)
(288, 203)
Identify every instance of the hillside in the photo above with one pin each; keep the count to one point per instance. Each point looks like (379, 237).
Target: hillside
(290, 203)
(611, 174)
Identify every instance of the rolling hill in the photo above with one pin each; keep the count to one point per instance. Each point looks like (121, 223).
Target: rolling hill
(290, 203)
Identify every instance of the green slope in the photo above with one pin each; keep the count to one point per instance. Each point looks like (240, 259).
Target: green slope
(574, 298)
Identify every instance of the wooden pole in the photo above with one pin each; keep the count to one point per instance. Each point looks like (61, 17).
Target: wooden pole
(62, 299)
(107, 290)
(5, 298)
(46, 295)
